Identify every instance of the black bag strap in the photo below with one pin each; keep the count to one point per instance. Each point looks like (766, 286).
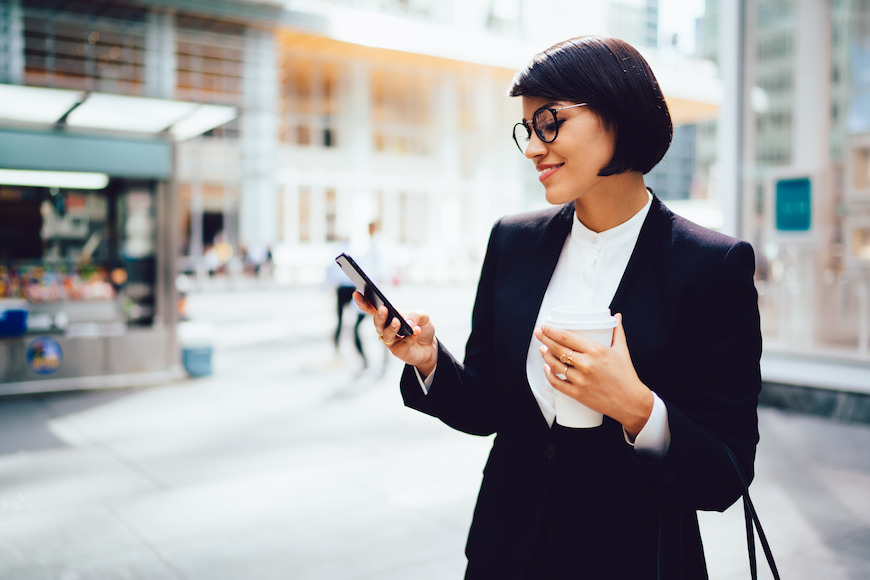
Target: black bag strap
(752, 518)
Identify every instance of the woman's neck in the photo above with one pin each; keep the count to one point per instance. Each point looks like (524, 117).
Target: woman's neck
(618, 199)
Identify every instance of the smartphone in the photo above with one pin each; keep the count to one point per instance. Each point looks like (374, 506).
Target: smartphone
(371, 292)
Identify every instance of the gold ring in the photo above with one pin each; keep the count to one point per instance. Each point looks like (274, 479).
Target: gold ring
(563, 375)
(381, 336)
(567, 360)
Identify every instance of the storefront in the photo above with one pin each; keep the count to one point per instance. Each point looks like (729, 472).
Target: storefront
(88, 248)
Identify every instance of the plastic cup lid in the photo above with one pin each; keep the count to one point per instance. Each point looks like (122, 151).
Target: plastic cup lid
(580, 317)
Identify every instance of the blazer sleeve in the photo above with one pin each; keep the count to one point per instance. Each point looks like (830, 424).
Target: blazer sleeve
(722, 384)
(461, 394)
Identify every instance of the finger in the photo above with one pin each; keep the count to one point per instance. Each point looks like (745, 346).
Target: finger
(417, 318)
(379, 318)
(619, 333)
(393, 327)
(363, 304)
(556, 366)
(555, 382)
(545, 339)
(389, 334)
(550, 358)
(564, 341)
(553, 357)
(559, 369)
(558, 338)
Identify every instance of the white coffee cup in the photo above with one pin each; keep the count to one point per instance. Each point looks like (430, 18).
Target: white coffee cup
(596, 324)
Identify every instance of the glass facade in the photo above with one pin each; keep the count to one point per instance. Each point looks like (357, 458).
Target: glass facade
(805, 189)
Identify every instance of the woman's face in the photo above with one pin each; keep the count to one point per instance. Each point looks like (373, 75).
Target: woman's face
(568, 167)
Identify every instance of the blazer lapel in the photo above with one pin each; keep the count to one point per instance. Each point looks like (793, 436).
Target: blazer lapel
(528, 286)
(642, 294)
(542, 259)
(638, 263)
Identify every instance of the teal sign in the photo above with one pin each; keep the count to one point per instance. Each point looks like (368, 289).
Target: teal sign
(793, 205)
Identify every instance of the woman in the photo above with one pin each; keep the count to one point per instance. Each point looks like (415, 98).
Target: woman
(679, 383)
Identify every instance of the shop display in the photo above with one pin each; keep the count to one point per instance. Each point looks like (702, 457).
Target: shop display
(79, 258)
(38, 285)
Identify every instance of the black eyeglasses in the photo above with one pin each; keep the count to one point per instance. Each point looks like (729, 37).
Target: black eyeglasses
(545, 124)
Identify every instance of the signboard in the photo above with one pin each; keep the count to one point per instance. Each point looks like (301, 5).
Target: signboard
(793, 205)
(44, 355)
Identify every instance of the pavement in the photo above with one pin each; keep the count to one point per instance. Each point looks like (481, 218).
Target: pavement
(293, 462)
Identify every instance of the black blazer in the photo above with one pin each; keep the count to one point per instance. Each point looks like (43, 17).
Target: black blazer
(582, 497)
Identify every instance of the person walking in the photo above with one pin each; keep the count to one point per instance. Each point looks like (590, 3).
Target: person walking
(344, 289)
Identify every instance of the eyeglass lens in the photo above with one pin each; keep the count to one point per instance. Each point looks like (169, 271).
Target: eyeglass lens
(545, 126)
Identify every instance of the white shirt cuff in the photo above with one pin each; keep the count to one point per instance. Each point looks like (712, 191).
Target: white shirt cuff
(426, 383)
(655, 437)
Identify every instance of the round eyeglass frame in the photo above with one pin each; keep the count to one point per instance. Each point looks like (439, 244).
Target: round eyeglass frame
(535, 122)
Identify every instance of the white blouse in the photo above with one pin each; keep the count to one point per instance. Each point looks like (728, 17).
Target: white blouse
(588, 273)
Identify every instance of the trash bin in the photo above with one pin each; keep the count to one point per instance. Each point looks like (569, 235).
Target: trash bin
(196, 347)
(13, 317)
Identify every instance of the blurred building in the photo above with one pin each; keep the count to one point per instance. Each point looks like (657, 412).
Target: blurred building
(241, 128)
(397, 112)
(345, 112)
(805, 191)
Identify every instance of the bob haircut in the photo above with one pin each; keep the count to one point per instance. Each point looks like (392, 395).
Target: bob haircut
(615, 81)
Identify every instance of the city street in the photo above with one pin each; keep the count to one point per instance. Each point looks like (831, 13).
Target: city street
(292, 463)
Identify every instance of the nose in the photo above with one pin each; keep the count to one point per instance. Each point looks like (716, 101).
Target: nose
(536, 146)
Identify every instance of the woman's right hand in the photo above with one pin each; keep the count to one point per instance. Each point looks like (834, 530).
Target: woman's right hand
(419, 350)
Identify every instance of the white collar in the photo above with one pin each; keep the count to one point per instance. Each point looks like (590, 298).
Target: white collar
(629, 229)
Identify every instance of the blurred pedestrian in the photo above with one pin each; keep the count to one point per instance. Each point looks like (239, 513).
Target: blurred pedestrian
(376, 262)
(211, 260)
(677, 387)
(343, 296)
(257, 257)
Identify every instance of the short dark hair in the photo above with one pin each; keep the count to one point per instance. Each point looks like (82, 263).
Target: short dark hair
(615, 81)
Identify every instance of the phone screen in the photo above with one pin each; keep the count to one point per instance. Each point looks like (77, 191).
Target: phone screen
(371, 292)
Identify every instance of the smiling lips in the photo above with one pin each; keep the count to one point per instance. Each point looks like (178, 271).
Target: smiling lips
(547, 170)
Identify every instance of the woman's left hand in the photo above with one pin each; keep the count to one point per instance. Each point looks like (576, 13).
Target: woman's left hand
(602, 378)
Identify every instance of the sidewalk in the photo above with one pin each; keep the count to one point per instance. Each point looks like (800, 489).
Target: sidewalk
(835, 386)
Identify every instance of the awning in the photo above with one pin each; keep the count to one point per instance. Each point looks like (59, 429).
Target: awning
(181, 120)
(44, 153)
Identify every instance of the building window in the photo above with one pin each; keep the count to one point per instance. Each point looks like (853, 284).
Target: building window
(71, 48)
(400, 112)
(309, 95)
(210, 59)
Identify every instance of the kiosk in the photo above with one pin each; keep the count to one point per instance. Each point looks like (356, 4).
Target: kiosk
(88, 243)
